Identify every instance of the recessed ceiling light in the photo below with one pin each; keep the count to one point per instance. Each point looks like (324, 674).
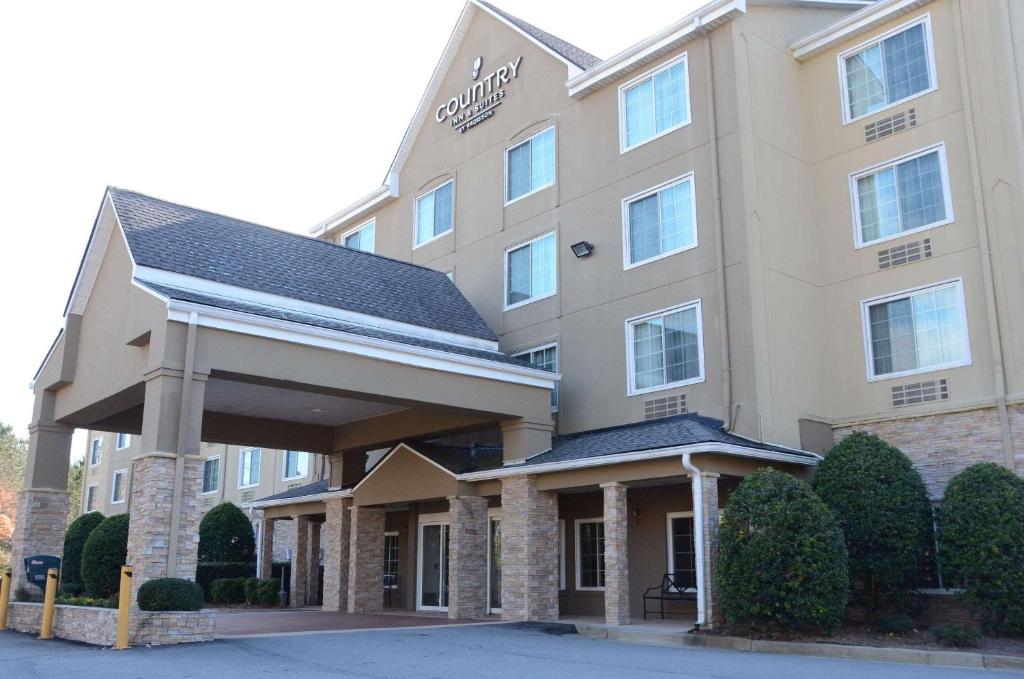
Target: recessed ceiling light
(317, 410)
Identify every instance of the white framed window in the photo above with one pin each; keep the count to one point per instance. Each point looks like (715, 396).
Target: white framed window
(90, 498)
(363, 237)
(391, 560)
(888, 70)
(95, 451)
(296, 464)
(590, 554)
(435, 213)
(211, 474)
(123, 441)
(249, 467)
(117, 486)
(561, 554)
(916, 331)
(654, 104)
(665, 349)
(681, 548)
(531, 271)
(901, 196)
(546, 358)
(659, 222)
(530, 165)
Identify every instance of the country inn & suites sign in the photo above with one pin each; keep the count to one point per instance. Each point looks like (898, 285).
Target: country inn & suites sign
(478, 102)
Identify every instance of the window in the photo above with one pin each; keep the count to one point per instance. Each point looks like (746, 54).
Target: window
(665, 349)
(917, 331)
(888, 70)
(434, 214)
(117, 489)
(530, 165)
(545, 358)
(589, 554)
(391, 560)
(901, 196)
(659, 222)
(682, 551)
(654, 104)
(95, 451)
(211, 475)
(123, 441)
(249, 467)
(361, 238)
(296, 464)
(530, 271)
(90, 499)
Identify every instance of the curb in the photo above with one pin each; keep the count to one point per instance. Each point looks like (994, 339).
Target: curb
(844, 651)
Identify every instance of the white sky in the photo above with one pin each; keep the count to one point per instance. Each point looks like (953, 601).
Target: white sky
(280, 113)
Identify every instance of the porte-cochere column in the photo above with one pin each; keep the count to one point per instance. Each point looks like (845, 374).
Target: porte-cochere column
(529, 551)
(300, 561)
(467, 557)
(337, 541)
(366, 561)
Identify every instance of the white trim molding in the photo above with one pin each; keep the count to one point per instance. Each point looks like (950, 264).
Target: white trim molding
(554, 161)
(624, 145)
(518, 246)
(631, 389)
(259, 476)
(577, 586)
(851, 26)
(123, 473)
(627, 263)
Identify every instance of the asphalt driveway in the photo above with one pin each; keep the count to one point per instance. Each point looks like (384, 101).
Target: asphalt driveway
(451, 652)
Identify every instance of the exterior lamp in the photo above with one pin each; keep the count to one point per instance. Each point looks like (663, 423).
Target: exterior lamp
(582, 249)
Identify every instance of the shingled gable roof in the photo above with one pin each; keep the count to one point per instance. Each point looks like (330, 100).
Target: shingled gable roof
(566, 50)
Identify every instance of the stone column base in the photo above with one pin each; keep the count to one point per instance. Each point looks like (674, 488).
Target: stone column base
(616, 558)
(366, 561)
(299, 571)
(39, 529)
(467, 557)
(337, 536)
(529, 551)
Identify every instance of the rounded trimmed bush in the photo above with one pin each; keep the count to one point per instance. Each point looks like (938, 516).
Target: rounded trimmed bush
(267, 592)
(981, 540)
(206, 573)
(228, 590)
(226, 534)
(781, 557)
(170, 594)
(882, 507)
(251, 588)
(74, 542)
(105, 551)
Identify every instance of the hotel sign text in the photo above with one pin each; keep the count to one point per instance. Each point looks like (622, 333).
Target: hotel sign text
(478, 102)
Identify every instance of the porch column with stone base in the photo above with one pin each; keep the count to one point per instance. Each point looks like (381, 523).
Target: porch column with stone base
(337, 539)
(616, 560)
(705, 494)
(467, 557)
(266, 549)
(39, 529)
(300, 561)
(529, 551)
(366, 561)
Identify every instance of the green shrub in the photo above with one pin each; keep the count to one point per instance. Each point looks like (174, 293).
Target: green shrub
(895, 624)
(981, 541)
(104, 553)
(226, 534)
(267, 592)
(781, 557)
(228, 590)
(70, 589)
(170, 594)
(882, 507)
(956, 635)
(251, 587)
(208, 572)
(93, 602)
(74, 542)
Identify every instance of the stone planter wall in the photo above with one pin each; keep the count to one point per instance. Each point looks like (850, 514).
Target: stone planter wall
(98, 626)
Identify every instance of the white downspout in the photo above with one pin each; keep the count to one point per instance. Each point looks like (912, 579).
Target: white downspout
(698, 533)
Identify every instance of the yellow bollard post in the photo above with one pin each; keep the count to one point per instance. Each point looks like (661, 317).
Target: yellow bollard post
(49, 603)
(5, 595)
(124, 604)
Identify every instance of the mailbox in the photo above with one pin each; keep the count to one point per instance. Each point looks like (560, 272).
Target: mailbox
(37, 566)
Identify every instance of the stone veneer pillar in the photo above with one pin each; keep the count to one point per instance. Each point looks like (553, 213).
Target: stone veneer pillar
(39, 529)
(366, 561)
(313, 563)
(467, 557)
(300, 559)
(616, 556)
(529, 551)
(266, 548)
(337, 536)
(705, 487)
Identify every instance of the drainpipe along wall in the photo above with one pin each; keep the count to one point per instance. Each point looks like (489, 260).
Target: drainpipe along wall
(698, 534)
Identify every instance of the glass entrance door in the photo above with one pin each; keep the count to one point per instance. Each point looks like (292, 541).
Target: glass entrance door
(433, 567)
(494, 566)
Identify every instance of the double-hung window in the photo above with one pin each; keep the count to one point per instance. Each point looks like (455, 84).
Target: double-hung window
(888, 70)
(95, 451)
(530, 271)
(296, 464)
(90, 499)
(545, 358)
(589, 554)
(902, 196)
(117, 490)
(211, 475)
(362, 238)
(659, 222)
(391, 560)
(665, 349)
(249, 467)
(654, 104)
(530, 165)
(916, 331)
(435, 213)
(123, 441)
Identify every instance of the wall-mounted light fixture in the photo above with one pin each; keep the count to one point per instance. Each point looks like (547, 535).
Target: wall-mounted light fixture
(582, 249)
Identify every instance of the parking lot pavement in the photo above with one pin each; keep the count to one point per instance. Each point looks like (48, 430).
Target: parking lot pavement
(496, 651)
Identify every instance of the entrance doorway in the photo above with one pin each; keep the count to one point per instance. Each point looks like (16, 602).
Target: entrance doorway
(494, 562)
(432, 564)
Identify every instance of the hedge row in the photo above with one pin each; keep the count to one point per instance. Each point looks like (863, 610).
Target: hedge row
(206, 573)
(251, 591)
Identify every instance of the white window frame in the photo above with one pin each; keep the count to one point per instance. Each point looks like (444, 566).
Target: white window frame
(578, 555)
(372, 221)
(127, 441)
(284, 466)
(98, 449)
(865, 306)
(123, 473)
(493, 514)
(844, 93)
(687, 119)
(630, 364)
(91, 487)
(561, 555)
(669, 547)
(416, 215)
(529, 140)
(213, 458)
(542, 347)
(626, 264)
(947, 195)
(398, 546)
(240, 455)
(517, 246)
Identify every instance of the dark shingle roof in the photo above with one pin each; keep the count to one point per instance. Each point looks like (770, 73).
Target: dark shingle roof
(314, 488)
(206, 245)
(461, 459)
(570, 52)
